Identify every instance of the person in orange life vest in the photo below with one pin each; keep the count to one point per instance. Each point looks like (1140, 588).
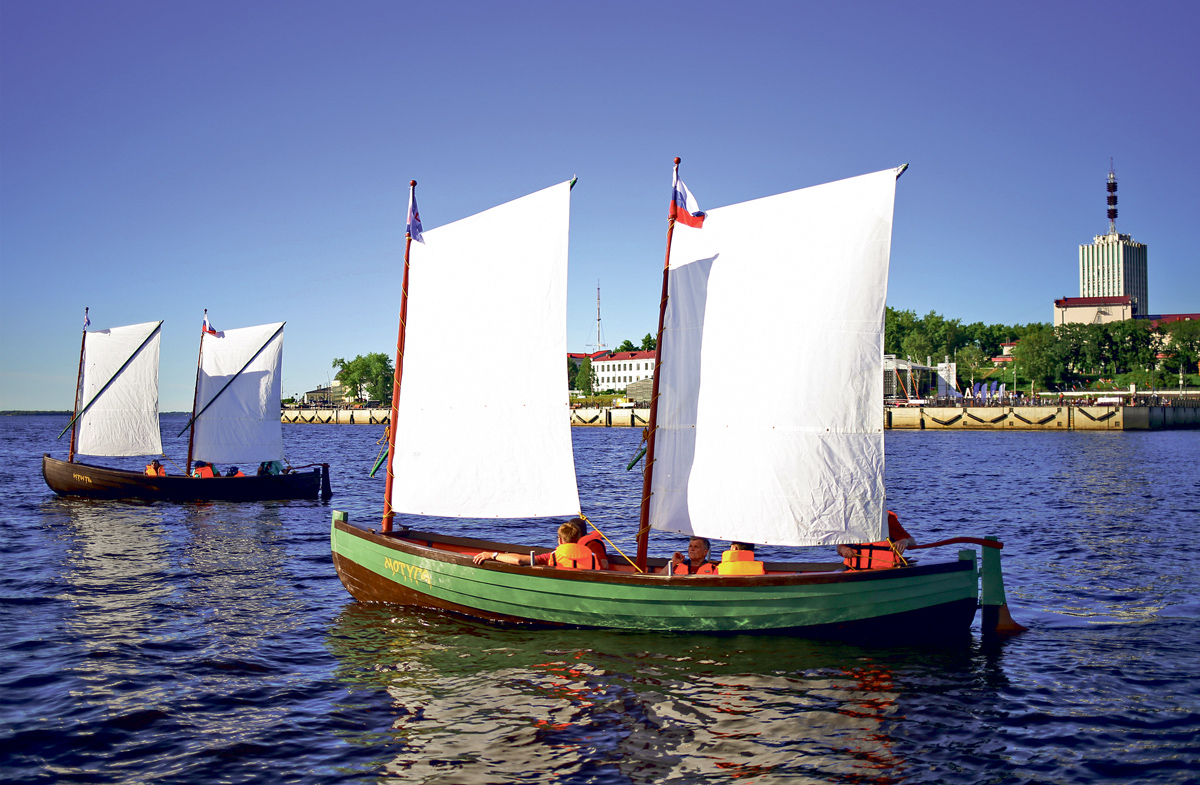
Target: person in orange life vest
(204, 470)
(593, 540)
(896, 535)
(156, 469)
(739, 560)
(568, 555)
(234, 472)
(696, 563)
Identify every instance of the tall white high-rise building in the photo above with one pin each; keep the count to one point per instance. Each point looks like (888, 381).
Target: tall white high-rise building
(1114, 265)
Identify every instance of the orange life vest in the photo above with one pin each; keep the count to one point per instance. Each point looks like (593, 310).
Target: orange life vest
(204, 471)
(872, 556)
(161, 471)
(239, 473)
(740, 563)
(708, 568)
(573, 556)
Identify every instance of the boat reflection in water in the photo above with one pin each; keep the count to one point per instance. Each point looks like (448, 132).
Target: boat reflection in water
(471, 702)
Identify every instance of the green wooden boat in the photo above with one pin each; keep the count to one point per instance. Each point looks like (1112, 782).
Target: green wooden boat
(802, 467)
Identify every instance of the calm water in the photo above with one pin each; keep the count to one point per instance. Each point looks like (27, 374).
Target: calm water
(214, 643)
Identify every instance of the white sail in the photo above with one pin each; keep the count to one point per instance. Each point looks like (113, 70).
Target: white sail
(123, 420)
(483, 427)
(242, 424)
(782, 297)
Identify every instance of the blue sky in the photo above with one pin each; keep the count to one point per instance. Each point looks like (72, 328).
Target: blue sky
(159, 158)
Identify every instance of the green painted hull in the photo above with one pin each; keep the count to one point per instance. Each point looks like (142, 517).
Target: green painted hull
(923, 600)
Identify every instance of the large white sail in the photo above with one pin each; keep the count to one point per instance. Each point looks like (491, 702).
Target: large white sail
(123, 420)
(783, 297)
(483, 429)
(242, 424)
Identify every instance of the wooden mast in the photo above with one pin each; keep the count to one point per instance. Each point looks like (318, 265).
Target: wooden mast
(78, 388)
(388, 514)
(187, 471)
(643, 534)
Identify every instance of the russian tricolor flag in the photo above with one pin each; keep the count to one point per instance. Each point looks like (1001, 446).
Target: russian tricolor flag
(684, 208)
(208, 328)
(414, 218)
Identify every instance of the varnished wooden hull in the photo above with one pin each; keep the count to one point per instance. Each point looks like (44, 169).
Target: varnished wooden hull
(99, 482)
(918, 602)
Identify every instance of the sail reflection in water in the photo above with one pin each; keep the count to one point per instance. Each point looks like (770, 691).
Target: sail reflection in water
(480, 704)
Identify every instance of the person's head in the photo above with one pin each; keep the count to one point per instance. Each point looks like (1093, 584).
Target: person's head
(155, 463)
(741, 546)
(201, 463)
(569, 532)
(580, 524)
(698, 548)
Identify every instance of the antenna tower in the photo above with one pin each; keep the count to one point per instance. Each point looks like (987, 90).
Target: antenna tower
(599, 344)
(1112, 198)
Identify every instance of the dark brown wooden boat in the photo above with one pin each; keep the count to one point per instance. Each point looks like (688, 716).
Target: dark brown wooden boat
(116, 414)
(100, 482)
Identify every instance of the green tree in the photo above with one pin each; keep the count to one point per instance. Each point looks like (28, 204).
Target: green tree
(896, 327)
(370, 375)
(649, 343)
(627, 346)
(970, 359)
(572, 371)
(1133, 345)
(1036, 356)
(1184, 346)
(585, 378)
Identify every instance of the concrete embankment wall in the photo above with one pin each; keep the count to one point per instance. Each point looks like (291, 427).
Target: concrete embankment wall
(338, 416)
(1000, 418)
(1044, 418)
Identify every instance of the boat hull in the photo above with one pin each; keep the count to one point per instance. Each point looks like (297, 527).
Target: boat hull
(99, 482)
(913, 602)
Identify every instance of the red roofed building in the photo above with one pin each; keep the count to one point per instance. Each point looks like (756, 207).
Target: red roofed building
(615, 370)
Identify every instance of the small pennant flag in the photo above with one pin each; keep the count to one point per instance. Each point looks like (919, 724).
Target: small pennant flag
(87, 322)
(208, 328)
(414, 218)
(684, 208)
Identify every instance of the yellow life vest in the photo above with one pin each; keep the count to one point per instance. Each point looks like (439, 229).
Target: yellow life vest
(740, 563)
(573, 556)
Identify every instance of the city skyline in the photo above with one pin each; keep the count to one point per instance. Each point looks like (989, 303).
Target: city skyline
(157, 160)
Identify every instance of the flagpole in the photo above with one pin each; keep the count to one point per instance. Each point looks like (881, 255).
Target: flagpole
(643, 534)
(78, 389)
(388, 514)
(187, 469)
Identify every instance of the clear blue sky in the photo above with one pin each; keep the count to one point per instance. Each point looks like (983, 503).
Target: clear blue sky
(159, 158)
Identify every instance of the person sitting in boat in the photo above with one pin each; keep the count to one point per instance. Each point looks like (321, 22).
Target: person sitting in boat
(205, 470)
(739, 560)
(156, 469)
(879, 555)
(593, 540)
(569, 555)
(234, 472)
(696, 563)
(271, 467)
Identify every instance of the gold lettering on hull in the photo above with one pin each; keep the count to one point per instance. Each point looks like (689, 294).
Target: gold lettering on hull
(82, 478)
(407, 572)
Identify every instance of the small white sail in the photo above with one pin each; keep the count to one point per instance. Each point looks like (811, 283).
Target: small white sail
(242, 424)
(483, 427)
(781, 297)
(123, 420)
